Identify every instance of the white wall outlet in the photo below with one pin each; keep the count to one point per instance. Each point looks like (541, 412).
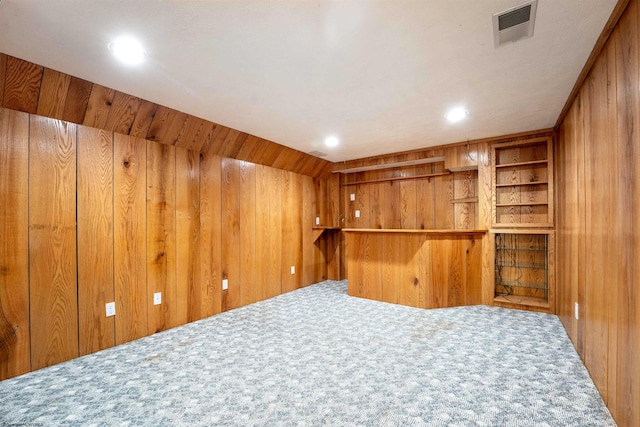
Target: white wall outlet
(225, 284)
(352, 197)
(157, 298)
(575, 310)
(111, 309)
(293, 269)
(357, 214)
(317, 220)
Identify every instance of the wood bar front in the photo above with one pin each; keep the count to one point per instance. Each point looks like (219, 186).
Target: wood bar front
(418, 268)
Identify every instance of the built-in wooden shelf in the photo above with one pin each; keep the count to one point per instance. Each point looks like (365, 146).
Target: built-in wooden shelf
(518, 300)
(394, 165)
(396, 178)
(466, 200)
(506, 205)
(414, 231)
(319, 230)
(518, 184)
(516, 164)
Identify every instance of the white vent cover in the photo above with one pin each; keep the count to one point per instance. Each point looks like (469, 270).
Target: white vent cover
(313, 153)
(515, 23)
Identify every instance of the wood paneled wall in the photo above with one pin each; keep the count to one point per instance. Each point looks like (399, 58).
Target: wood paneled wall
(34, 89)
(150, 218)
(598, 232)
(415, 269)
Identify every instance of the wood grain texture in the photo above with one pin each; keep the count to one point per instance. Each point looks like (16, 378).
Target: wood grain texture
(194, 133)
(291, 206)
(144, 117)
(3, 71)
(98, 107)
(211, 234)
(230, 172)
(130, 237)
(273, 285)
(188, 283)
(166, 126)
(53, 296)
(308, 240)
(161, 236)
(95, 239)
(76, 100)
(250, 287)
(122, 113)
(15, 357)
(53, 93)
(22, 85)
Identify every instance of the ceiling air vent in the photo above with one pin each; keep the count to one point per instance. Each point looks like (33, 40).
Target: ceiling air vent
(515, 23)
(317, 153)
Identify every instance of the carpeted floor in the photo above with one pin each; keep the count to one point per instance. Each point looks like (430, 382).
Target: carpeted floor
(319, 357)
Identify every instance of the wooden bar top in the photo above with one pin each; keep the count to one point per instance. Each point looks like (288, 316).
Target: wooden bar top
(414, 231)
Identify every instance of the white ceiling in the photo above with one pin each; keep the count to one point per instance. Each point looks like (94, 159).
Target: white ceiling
(380, 75)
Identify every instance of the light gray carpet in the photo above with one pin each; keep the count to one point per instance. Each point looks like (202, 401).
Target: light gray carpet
(319, 357)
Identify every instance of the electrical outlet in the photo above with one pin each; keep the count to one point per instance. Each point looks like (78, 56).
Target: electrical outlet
(293, 269)
(111, 309)
(157, 298)
(357, 214)
(225, 284)
(317, 220)
(575, 309)
(352, 197)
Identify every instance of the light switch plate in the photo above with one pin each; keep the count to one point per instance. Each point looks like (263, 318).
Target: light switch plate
(352, 197)
(157, 298)
(357, 214)
(225, 284)
(317, 220)
(293, 269)
(111, 309)
(575, 309)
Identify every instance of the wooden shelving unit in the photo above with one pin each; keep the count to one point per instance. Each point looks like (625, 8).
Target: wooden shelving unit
(524, 269)
(522, 181)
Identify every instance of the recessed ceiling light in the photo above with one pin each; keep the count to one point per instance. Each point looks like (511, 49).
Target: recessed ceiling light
(331, 141)
(127, 50)
(456, 114)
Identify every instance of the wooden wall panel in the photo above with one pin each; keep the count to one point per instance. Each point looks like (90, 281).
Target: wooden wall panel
(410, 279)
(130, 234)
(52, 242)
(98, 107)
(161, 236)
(188, 283)
(14, 243)
(166, 126)
(598, 238)
(144, 118)
(291, 231)
(122, 113)
(308, 239)
(211, 234)
(76, 100)
(53, 93)
(3, 70)
(250, 286)
(273, 284)
(22, 85)
(230, 170)
(95, 238)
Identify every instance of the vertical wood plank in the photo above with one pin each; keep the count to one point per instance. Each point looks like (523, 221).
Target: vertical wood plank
(250, 290)
(188, 283)
(98, 107)
(161, 236)
(52, 242)
(14, 242)
(408, 207)
(291, 231)
(22, 85)
(308, 221)
(442, 201)
(95, 239)
(53, 93)
(392, 265)
(211, 234)
(76, 100)
(274, 256)
(231, 232)
(410, 276)
(262, 227)
(130, 234)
